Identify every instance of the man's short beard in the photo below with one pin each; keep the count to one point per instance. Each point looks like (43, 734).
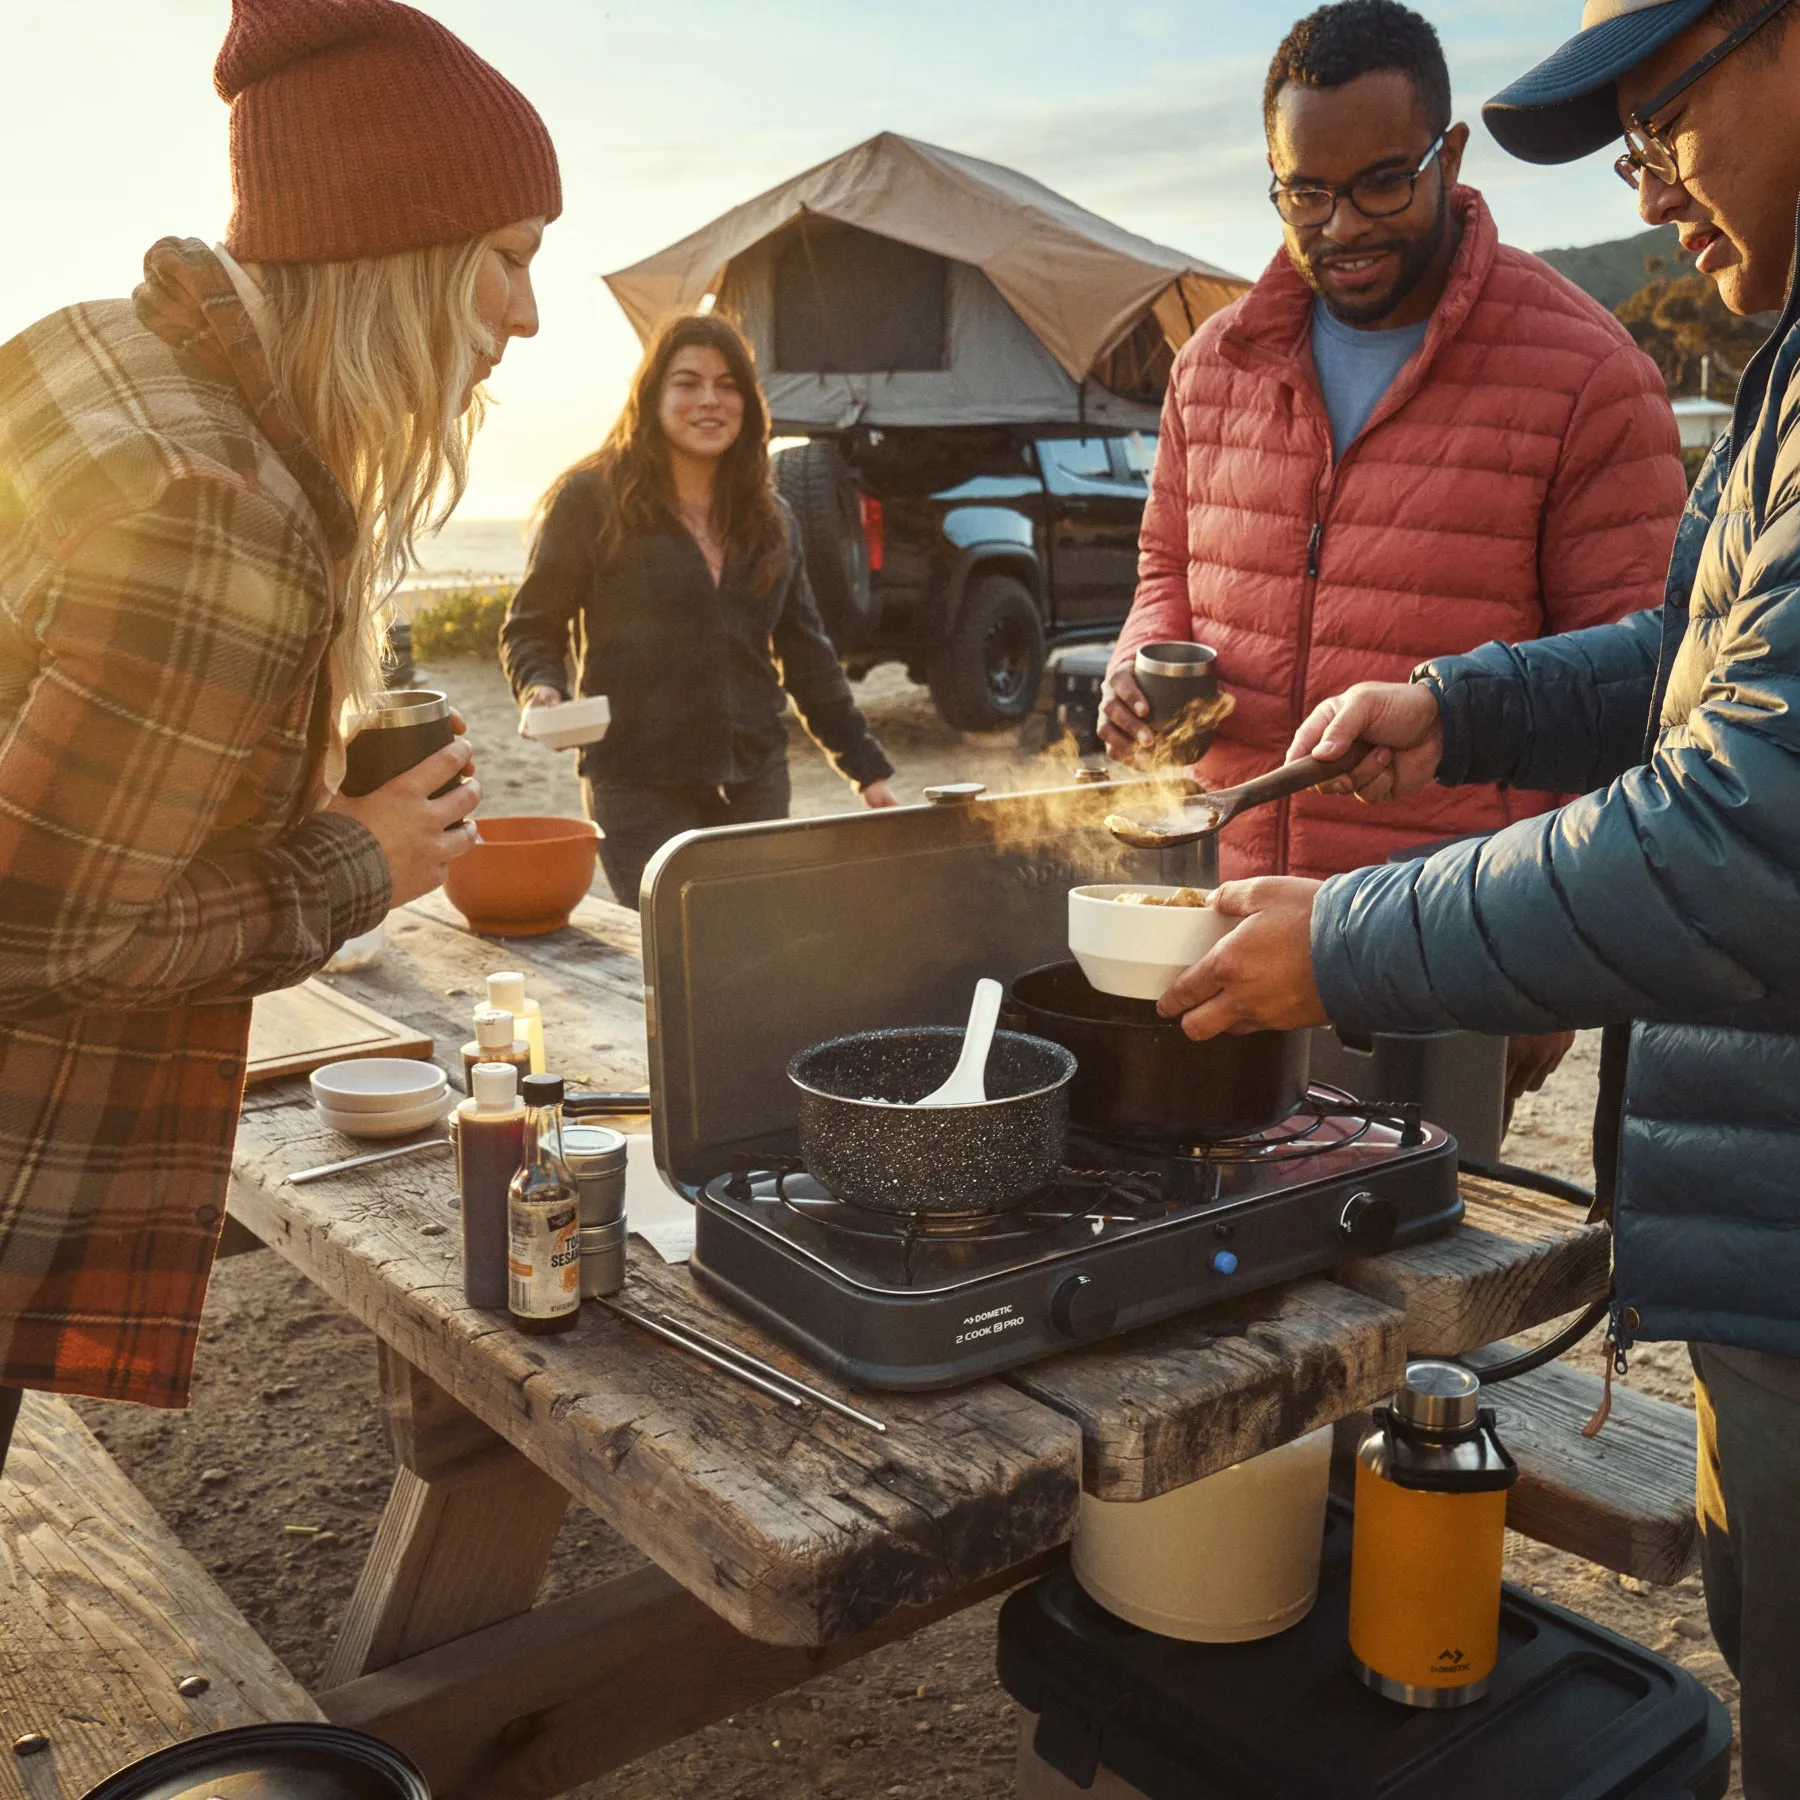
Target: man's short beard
(1416, 259)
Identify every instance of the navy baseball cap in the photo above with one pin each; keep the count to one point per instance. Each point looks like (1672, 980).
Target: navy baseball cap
(1567, 106)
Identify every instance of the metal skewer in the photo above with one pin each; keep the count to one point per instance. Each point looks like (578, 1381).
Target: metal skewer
(362, 1162)
(824, 1399)
(682, 1341)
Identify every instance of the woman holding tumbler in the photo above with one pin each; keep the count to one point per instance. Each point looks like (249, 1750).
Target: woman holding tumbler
(671, 570)
(205, 491)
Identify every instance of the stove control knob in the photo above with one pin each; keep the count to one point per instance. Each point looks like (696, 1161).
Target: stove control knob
(1078, 1310)
(1224, 1262)
(1368, 1222)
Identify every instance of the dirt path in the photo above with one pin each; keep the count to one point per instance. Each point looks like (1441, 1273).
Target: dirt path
(283, 1427)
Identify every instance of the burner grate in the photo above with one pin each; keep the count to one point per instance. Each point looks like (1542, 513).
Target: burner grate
(1107, 1181)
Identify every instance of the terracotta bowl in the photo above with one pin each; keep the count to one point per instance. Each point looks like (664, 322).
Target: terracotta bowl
(525, 876)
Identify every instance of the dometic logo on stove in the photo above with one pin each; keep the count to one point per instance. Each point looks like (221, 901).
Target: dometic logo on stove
(989, 1324)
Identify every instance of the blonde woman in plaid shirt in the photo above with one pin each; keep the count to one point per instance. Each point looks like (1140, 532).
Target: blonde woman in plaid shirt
(205, 491)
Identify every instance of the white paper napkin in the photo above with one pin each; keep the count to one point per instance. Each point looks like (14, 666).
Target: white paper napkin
(654, 1211)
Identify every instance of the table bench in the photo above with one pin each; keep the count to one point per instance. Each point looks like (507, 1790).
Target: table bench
(1624, 1498)
(114, 1642)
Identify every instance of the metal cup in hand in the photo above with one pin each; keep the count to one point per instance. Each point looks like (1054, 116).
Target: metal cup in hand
(400, 729)
(1173, 677)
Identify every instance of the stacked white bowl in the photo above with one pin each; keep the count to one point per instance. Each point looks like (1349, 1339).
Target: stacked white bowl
(381, 1096)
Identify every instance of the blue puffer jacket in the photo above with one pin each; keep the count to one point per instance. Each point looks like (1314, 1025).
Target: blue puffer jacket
(1670, 896)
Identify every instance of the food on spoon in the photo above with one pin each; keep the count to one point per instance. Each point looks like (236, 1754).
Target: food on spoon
(1186, 896)
(1147, 834)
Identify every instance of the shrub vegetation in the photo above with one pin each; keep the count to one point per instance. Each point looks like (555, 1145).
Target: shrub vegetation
(461, 622)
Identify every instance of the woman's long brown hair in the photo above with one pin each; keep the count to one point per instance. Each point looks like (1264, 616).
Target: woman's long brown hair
(633, 462)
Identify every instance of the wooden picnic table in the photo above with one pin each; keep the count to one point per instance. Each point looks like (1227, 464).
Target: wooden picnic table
(783, 1541)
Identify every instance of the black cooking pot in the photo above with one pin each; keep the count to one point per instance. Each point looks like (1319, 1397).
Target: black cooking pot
(1139, 1075)
(902, 1158)
(270, 1762)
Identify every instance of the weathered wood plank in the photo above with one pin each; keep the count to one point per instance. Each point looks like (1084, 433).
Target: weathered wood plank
(1624, 1498)
(465, 1537)
(587, 978)
(527, 1709)
(799, 1528)
(1516, 1260)
(1166, 1406)
(102, 1613)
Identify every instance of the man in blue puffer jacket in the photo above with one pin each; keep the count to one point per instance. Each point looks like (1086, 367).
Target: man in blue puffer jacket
(1669, 896)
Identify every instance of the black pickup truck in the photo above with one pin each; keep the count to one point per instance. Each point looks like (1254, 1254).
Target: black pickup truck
(967, 553)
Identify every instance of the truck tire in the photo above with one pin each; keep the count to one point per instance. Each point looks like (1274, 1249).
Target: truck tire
(816, 482)
(987, 673)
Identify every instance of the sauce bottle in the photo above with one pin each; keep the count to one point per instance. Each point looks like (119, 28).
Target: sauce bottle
(506, 992)
(494, 1042)
(1431, 1483)
(490, 1145)
(543, 1212)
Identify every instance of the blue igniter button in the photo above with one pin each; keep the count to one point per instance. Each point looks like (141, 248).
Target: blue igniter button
(1224, 1262)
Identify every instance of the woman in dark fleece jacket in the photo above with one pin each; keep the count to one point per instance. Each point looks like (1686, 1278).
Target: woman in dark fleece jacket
(670, 571)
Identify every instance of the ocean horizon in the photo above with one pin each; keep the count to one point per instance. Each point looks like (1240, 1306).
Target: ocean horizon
(472, 550)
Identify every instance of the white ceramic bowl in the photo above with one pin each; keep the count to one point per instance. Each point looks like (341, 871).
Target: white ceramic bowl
(570, 725)
(1136, 951)
(399, 1122)
(377, 1084)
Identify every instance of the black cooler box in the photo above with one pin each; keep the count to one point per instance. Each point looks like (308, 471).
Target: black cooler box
(1576, 1712)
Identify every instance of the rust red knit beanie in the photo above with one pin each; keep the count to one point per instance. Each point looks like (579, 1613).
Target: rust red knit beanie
(363, 127)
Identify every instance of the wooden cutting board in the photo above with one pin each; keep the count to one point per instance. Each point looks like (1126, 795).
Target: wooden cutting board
(299, 1029)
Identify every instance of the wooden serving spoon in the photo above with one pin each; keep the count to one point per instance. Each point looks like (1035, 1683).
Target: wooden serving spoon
(1206, 813)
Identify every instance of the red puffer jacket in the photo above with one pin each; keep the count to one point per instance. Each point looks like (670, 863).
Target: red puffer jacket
(1521, 477)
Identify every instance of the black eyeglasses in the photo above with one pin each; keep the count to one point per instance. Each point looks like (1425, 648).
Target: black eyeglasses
(1376, 196)
(1647, 148)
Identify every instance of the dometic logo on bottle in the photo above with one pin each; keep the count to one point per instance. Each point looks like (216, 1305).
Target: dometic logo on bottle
(990, 1323)
(1449, 1662)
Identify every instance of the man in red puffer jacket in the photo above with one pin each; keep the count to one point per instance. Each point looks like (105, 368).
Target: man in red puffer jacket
(1404, 441)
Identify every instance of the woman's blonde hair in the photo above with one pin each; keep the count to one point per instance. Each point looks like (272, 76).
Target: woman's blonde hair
(373, 358)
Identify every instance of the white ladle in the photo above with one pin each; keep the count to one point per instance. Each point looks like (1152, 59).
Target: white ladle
(967, 1085)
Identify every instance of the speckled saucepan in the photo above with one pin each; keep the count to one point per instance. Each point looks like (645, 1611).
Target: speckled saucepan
(899, 1158)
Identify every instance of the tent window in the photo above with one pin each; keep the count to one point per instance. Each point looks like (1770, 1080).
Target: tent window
(1137, 366)
(848, 302)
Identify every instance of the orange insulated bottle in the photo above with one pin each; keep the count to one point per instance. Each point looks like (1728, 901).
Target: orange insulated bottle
(1431, 1481)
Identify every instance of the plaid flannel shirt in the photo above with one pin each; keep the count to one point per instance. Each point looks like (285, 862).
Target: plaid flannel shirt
(166, 605)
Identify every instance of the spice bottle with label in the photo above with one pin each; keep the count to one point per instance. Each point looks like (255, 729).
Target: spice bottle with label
(490, 1146)
(506, 993)
(494, 1042)
(543, 1211)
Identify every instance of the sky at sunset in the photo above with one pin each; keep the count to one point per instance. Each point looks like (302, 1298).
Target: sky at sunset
(666, 114)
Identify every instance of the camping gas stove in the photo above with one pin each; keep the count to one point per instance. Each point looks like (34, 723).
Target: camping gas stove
(762, 939)
(1126, 1235)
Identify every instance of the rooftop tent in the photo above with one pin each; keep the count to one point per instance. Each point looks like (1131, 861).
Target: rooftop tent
(901, 284)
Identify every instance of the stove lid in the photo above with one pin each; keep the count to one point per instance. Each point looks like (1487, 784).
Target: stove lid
(762, 939)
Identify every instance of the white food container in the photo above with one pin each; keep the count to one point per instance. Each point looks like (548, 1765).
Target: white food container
(1225, 1559)
(570, 725)
(1136, 951)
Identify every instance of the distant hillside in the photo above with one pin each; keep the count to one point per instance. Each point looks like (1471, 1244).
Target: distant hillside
(1613, 272)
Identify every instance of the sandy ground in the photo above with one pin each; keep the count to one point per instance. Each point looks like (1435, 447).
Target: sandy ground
(284, 1430)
